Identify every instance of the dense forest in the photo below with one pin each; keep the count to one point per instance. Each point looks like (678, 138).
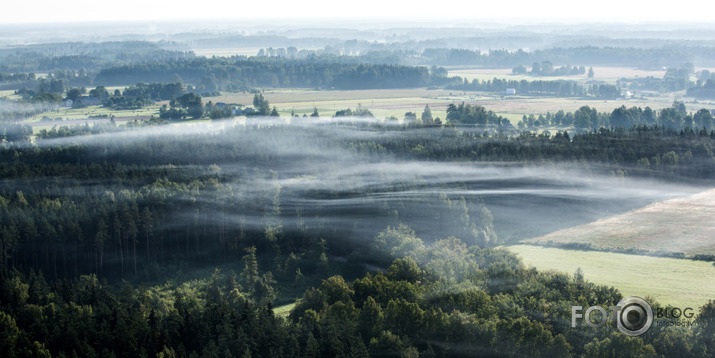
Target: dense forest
(385, 231)
(476, 302)
(240, 73)
(87, 56)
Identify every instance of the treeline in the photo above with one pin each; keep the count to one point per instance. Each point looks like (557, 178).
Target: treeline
(235, 74)
(639, 151)
(63, 131)
(455, 46)
(546, 68)
(704, 90)
(475, 115)
(14, 78)
(560, 88)
(240, 74)
(87, 56)
(654, 58)
(674, 118)
(674, 79)
(54, 87)
(140, 95)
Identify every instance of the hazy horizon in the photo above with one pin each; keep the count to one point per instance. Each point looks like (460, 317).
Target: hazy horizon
(512, 13)
(366, 29)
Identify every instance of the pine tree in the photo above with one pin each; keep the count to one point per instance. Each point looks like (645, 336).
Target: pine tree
(427, 115)
(249, 277)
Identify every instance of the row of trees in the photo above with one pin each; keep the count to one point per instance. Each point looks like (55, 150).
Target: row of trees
(358, 112)
(475, 115)
(83, 56)
(234, 74)
(560, 88)
(704, 90)
(188, 105)
(593, 55)
(546, 68)
(674, 79)
(675, 117)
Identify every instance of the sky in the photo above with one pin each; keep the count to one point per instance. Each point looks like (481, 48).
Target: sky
(510, 12)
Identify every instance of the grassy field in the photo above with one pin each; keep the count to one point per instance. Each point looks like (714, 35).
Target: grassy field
(684, 225)
(72, 114)
(679, 282)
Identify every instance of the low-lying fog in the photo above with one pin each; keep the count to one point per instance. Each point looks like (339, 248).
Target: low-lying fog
(317, 171)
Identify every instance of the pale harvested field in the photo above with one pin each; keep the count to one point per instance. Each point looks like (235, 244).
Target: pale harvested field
(382, 103)
(684, 225)
(278, 96)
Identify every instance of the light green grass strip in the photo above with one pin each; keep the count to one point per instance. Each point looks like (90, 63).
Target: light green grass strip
(679, 282)
(283, 311)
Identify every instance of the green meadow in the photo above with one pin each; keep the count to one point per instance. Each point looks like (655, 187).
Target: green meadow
(678, 282)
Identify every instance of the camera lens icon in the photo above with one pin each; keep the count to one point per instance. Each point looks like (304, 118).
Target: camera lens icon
(635, 316)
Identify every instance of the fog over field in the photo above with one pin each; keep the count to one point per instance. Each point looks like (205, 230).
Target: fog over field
(308, 165)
